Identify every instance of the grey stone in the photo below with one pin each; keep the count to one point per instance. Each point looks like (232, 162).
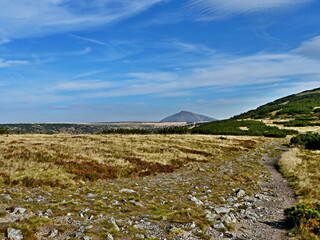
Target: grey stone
(222, 210)
(48, 212)
(125, 190)
(196, 200)
(6, 196)
(19, 210)
(229, 218)
(230, 235)
(53, 233)
(83, 212)
(113, 222)
(109, 236)
(210, 216)
(14, 234)
(138, 235)
(240, 193)
(219, 226)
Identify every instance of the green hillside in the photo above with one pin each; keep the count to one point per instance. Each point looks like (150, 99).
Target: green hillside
(299, 110)
(301, 106)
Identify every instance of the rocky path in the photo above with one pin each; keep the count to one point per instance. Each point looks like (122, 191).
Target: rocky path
(271, 222)
(218, 200)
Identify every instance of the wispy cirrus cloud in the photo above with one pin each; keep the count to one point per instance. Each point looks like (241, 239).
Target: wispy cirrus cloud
(212, 9)
(310, 48)
(81, 85)
(254, 70)
(45, 17)
(91, 40)
(11, 63)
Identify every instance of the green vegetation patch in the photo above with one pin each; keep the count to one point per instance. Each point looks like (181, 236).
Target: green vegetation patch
(4, 130)
(242, 127)
(126, 131)
(309, 141)
(306, 219)
(297, 123)
(298, 105)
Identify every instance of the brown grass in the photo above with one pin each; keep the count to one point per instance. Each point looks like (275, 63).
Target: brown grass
(63, 159)
(302, 168)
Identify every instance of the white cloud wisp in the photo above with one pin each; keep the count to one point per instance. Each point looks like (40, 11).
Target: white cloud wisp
(29, 18)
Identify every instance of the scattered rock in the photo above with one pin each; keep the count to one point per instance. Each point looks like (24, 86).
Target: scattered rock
(91, 195)
(240, 193)
(219, 226)
(220, 210)
(139, 235)
(125, 190)
(53, 233)
(196, 200)
(6, 196)
(19, 210)
(210, 216)
(48, 212)
(83, 212)
(109, 236)
(14, 234)
(113, 222)
(230, 235)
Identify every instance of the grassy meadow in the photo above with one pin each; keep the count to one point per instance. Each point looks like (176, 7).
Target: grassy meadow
(62, 159)
(301, 167)
(86, 174)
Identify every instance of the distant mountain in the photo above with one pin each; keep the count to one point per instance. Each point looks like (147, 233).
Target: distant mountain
(185, 116)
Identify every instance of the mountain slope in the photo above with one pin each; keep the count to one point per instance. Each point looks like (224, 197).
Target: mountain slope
(185, 116)
(304, 105)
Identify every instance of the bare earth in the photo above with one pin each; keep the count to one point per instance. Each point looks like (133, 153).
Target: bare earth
(271, 224)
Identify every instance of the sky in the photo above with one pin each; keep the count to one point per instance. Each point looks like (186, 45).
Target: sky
(142, 60)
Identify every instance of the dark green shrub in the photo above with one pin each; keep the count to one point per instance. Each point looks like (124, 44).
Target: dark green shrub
(174, 130)
(304, 217)
(309, 140)
(242, 127)
(125, 131)
(4, 130)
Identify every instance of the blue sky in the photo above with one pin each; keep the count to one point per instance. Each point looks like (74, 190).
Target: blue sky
(141, 60)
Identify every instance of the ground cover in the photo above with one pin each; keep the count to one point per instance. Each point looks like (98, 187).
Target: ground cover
(45, 191)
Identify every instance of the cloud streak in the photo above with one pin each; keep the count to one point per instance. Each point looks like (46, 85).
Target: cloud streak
(212, 9)
(310, 48)
(11, 63)
(46, 17)
(81, 85)
(255, 70)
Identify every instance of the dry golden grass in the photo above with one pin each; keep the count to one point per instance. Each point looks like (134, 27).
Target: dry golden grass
(299, 129)
(64, 159)
(302, 168)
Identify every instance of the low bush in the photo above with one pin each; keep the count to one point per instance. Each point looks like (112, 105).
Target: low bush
(305, 218)
(4, 130)
(125, 131)
(309, 140)
(243, 127)
(174, 130)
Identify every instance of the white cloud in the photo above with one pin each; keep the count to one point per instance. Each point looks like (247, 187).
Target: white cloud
(228, 72)
(28, 18)
(310, 48)
(81, 85)
(12, 63)
(208, 9)
(88, 40)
